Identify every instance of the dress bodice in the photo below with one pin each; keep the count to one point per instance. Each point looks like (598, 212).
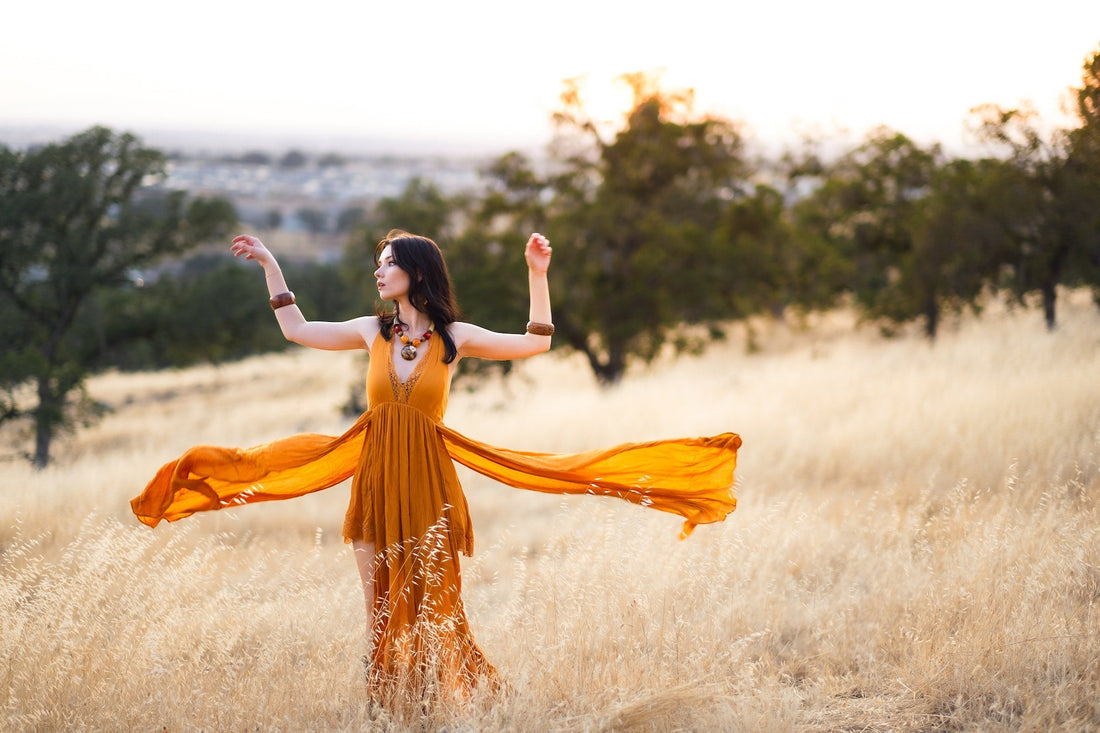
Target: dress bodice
(426, 388)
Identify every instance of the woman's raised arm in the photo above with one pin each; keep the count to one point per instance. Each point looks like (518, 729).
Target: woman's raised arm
(332, 336)
(482, 343)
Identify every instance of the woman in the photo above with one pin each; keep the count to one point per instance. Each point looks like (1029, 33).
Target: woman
(407, 518)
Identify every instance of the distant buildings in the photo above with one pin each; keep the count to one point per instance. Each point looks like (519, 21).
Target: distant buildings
(273, 193)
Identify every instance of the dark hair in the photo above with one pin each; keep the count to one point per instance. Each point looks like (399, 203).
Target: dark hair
(430, 289)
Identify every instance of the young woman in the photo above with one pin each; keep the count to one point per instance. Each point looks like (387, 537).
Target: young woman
(407, 518)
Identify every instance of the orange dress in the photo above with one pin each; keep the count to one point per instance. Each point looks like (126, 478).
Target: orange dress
(406, 499)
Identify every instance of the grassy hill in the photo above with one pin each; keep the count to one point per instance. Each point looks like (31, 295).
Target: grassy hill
(917, 547)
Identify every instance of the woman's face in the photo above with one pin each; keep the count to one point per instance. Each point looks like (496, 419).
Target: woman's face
(393, 282)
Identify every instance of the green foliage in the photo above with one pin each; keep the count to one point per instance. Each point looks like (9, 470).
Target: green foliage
(314, 220)
(213, 309)
(323, 291)
(867, 207)
(776, 263)
(77, 217)
(635, 222)
(486, 258)
(1083, 166)
(1054, 221)
(913, 233)
(1048, 204)
(920, 234)
(420, 209)
(349, 218)
(958, 244)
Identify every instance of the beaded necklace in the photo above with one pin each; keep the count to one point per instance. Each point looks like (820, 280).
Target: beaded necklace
(408, 350)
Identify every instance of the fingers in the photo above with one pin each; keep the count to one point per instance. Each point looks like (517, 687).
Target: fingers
(539, 241)
(246, 245)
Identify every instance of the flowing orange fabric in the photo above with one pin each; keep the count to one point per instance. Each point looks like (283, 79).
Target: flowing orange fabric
(407, 500)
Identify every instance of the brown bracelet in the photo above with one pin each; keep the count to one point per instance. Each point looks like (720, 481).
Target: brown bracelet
(540, 329)
(282, 299)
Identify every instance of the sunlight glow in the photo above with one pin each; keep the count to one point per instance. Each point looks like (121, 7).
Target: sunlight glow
(607, 98)
(489, 72)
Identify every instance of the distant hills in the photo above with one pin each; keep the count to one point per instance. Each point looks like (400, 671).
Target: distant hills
(212, 141)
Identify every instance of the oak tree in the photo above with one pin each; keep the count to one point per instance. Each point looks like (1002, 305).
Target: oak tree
(78, 216)
(636, 216)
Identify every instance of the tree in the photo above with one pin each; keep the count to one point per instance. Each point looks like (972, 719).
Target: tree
(635, 217)
(144, 327)
(293, 159)
(148, 324)
(420, 209)
(77, 217)
(349, 218)
(1043, 221)
(332, 160)
(957, 245)
(256, 157)
(777, 263)
(1054, 220)
(486, 257)
(274, 218)
(869, 205)
(1083, 163)
(314, 220)
(1037, 251)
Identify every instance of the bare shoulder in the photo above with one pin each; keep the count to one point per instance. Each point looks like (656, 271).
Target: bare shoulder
(368, 327)
(461, 332)
(467, 334)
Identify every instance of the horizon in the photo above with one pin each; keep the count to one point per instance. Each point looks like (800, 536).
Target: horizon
(199, 140)
(203, 141)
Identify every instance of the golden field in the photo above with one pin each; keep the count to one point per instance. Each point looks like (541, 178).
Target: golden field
(917, 547)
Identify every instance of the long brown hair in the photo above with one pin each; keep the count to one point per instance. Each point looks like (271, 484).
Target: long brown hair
(430, 289)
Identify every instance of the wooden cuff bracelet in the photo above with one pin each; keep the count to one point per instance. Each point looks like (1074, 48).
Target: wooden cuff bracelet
(282, 299)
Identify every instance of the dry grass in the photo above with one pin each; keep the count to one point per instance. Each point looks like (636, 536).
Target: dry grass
(917, 548)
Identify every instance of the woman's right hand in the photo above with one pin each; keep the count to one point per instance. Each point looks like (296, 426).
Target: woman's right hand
(537, 253)
(251, 248)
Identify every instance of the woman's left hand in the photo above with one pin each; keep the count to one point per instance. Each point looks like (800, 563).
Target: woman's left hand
(538, 253)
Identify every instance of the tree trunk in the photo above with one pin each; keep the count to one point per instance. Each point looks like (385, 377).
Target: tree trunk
(43, 434)
(608, 371)
(1049, 296)
(608, 374)
(931, 318)
(45, 419)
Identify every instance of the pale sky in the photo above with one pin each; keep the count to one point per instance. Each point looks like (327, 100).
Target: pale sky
(487, 73)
